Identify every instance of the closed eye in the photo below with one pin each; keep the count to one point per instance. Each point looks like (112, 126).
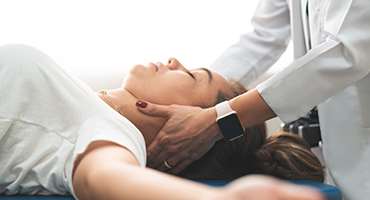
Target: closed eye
(190, 74)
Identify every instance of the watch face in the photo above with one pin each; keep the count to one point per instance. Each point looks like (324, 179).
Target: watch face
(230, 126)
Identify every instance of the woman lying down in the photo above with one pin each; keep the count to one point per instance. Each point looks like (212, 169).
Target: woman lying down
(57, 136)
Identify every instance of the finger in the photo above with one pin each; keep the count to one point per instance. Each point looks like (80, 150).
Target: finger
(174, 151)
(165, 166)
(154, 148)
(172, 162)
(185, 158)
(158, 151)
(152, 109)
(180, 166)
(158, 160)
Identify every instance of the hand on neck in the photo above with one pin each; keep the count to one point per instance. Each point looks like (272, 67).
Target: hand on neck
(124, 101)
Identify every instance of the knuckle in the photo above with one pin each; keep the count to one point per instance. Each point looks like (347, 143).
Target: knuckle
(172, 149)
(184, 164)
(183, 155)
(151, 108)
(172, 106)
(156, 148)
(165, 140)
(180, 168)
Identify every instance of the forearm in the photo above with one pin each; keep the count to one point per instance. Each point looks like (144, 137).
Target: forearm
(132, 182)
(109, 171)
(251, 108)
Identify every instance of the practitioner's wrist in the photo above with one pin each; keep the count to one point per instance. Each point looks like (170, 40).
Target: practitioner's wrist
(212, 131)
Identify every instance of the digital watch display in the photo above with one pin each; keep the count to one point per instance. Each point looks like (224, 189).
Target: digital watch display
(228, 121)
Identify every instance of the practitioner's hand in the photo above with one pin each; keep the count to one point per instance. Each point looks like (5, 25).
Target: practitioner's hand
(259, 187)
(187, 135)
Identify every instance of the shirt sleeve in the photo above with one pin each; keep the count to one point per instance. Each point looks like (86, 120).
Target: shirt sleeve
(118, 130)
(337, 62)
(258, 50)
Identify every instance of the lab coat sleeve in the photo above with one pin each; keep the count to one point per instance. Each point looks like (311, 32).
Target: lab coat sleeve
(337, 62)
(258, 50)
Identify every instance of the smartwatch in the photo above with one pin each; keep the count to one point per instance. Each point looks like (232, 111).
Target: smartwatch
(228, 121)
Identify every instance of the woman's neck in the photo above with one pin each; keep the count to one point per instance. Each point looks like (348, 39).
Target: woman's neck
(149, 126)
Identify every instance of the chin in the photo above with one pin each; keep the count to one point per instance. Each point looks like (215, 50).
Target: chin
(142, 70)
(135, 68)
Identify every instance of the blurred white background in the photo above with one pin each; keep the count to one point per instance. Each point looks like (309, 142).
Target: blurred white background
(98, 41)
(95, 40)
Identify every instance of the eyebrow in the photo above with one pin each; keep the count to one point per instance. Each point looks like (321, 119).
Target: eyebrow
(208, 72)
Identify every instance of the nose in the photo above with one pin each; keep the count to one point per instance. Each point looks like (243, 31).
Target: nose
(174, 64)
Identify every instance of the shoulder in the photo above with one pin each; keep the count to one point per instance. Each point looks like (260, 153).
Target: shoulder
(113, 128)
(17, 51)
(23, 58)
(29, 65)
(102, 160)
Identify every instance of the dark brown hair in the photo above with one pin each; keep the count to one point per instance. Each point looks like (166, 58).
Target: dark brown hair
(282, 155)
(227, 160)
(287, 156)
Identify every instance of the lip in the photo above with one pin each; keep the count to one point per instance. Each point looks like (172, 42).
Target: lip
(157, 65)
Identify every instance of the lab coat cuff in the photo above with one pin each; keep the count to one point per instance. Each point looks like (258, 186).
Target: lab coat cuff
(278, 103)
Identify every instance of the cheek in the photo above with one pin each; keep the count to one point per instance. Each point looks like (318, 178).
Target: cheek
(172, 91)
(138, 70)
(169, 94)
(163, 90)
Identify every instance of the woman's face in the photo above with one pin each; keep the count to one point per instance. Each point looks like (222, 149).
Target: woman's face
(174, 84)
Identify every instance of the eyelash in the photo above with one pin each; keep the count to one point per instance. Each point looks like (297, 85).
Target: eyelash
(191, 75)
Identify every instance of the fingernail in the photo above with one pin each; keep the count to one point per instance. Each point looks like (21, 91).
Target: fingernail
(141, 104)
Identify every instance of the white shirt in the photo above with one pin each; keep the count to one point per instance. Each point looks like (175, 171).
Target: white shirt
(333, 74)
(47, 118)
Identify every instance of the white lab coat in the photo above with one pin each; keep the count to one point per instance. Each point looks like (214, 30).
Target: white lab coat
(333, 74)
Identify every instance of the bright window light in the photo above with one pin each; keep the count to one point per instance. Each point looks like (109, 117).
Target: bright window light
(99, 38)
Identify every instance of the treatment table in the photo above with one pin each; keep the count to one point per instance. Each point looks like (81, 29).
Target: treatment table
(331, 192)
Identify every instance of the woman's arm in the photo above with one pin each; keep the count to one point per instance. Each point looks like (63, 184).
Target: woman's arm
(109, 171)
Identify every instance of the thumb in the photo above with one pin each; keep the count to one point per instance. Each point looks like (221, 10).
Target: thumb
(152, 109)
